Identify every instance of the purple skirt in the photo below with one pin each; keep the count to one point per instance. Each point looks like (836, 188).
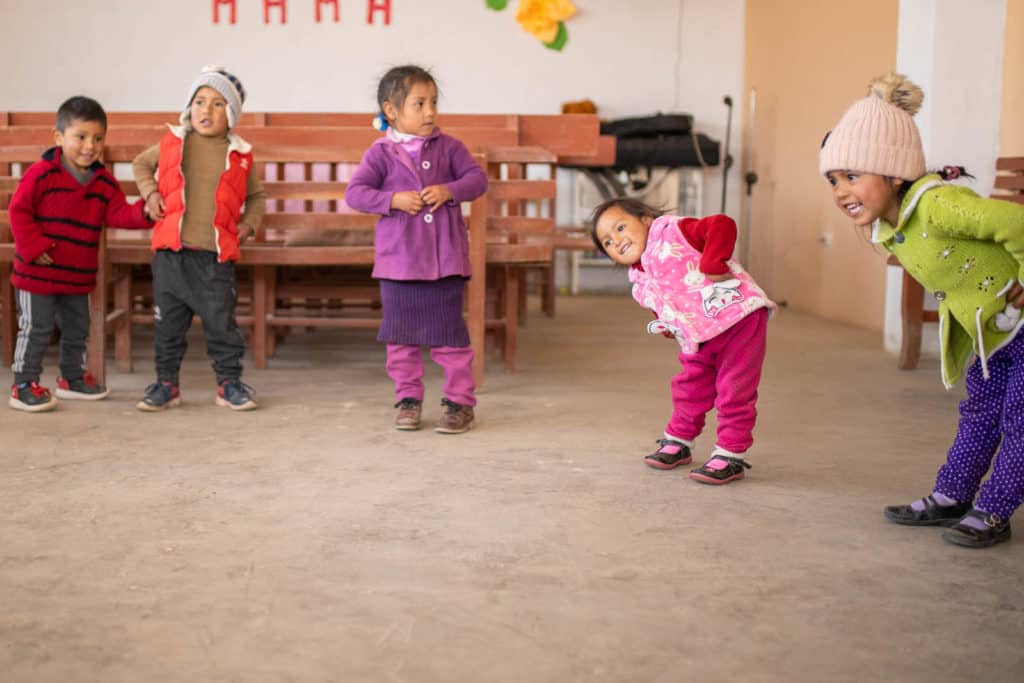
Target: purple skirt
(424, 312)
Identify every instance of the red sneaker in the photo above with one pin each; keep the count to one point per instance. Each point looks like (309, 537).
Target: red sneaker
(31, 398)
(84, 389)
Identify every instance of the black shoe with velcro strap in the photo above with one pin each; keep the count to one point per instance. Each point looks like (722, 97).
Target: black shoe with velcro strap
(933, 514)
(670, 455)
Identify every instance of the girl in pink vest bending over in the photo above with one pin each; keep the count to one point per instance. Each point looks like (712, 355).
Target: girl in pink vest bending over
(415, 178)
(200, 188)
(681, 269)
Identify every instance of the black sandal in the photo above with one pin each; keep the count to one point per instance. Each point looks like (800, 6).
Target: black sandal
(997, 530)
(720, 469)
(933, 514)
(668, 457)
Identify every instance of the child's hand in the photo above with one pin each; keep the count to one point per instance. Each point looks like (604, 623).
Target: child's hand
(245, 232)
(44, 259)
(408, 201)
(155, 206)
(436, 195)
(1015, 296)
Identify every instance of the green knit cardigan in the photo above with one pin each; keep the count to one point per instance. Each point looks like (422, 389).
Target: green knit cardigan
(968, 251)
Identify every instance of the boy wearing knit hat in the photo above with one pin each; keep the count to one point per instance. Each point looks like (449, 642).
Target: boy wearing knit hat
(968, 251)
(199, 187)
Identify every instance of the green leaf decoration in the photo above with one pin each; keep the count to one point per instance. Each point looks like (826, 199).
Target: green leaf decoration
(561, 39)
(497, 5)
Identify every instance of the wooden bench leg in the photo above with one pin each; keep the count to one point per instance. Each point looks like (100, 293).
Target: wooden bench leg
(912, 310)
(123, 330)
(96, 356)
(511, 301)
(547, 291)
(270, 308)
(259, 316)
(476, 295)
(523, 303)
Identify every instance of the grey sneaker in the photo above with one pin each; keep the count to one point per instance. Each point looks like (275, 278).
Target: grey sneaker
(159, 396)
(237, 395)
(455, 419)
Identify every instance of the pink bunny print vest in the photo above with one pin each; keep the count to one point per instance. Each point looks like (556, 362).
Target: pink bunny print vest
(685, 300)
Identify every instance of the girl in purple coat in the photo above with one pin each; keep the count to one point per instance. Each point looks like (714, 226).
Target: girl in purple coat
(416, 177)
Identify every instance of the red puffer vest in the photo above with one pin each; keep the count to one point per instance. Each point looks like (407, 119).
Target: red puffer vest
(230, 194)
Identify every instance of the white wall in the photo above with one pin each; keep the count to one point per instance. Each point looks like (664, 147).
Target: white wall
(954, 51)
(631, 58)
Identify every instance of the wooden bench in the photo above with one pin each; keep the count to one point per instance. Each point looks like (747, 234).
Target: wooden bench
(115, 314)
(1009, 184)
(279, 139)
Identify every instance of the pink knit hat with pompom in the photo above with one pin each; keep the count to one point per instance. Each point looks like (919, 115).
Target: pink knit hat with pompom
(877, 134)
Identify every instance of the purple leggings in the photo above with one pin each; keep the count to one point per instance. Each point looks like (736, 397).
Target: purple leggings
(991, 427)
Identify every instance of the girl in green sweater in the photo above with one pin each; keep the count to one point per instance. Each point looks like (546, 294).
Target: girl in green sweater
(969, 252)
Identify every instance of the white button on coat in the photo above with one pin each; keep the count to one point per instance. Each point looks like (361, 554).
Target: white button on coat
(425, 165)
(428, 218)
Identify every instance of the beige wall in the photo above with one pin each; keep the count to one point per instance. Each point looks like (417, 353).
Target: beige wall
(809, 60)
(1012, 128)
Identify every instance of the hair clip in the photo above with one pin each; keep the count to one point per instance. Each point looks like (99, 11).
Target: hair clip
(951, 172)
(380, 122)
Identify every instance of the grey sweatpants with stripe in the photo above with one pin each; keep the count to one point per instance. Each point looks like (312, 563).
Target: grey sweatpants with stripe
(186, 283)
(37, 315)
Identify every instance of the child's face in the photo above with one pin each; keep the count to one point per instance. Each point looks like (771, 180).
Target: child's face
(418, 112)
(865, 197)
(81, 142)
(623, 235)
(209, 112)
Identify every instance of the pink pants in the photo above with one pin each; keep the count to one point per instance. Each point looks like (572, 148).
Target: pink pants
(724, 373)
(405, 367)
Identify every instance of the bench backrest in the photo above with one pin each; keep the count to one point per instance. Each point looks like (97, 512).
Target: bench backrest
(1010, 179)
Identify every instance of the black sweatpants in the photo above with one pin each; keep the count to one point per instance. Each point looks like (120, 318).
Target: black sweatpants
(37, 314)
(191, 282)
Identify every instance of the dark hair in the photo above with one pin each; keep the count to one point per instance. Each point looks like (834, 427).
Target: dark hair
(634, 207)
(395, 85)
(946, 173)
(79, 108)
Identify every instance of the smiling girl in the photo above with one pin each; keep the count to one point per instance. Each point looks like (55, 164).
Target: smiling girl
(681, 269)
(969, 252)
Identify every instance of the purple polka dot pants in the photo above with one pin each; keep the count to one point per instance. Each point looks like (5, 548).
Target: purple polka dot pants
(991, 426)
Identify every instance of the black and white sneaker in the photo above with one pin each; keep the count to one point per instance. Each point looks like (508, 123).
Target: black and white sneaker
(85, 388)
(31, 398)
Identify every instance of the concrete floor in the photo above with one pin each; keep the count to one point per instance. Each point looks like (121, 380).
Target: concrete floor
(309, 541)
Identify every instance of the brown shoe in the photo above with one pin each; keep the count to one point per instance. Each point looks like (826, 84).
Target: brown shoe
(455, 419)
(408, 416)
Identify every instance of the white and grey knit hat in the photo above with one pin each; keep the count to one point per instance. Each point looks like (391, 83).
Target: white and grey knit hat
(230, 88)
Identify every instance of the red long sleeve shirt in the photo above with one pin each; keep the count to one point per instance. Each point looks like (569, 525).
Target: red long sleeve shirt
(714, 237)
(52, 213)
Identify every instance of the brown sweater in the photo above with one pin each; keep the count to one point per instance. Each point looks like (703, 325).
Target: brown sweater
(202, 165)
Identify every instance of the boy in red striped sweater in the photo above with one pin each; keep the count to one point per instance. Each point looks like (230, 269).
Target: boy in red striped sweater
(57, 212)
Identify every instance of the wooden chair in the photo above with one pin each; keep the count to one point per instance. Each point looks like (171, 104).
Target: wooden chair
(516, 240)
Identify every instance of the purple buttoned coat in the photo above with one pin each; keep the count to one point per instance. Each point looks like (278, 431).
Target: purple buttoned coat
(427, 246)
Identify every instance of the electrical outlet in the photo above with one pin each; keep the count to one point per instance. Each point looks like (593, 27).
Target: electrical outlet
(826, 239)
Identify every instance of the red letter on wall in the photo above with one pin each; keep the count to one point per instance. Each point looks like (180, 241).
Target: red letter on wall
(337, 17)
(216, 10)
(267, 4)
(374, 6)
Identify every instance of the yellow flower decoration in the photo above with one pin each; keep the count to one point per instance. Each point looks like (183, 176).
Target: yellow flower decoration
(542, 17)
